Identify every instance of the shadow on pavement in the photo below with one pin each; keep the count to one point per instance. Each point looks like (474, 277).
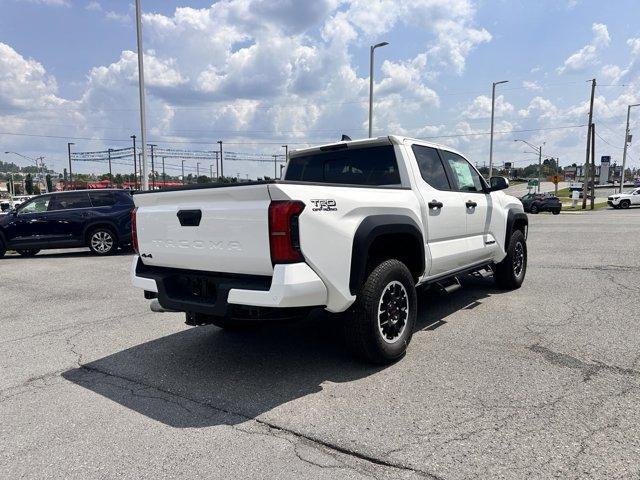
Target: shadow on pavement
(62, 254)
(176, 379)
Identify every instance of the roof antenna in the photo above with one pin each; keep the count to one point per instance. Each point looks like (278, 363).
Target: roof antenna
(345, 138)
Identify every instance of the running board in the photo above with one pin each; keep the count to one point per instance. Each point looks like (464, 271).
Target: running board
(449, 286)
(484, 272)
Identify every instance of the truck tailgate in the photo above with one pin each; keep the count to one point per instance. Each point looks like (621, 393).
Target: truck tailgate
(218, 229)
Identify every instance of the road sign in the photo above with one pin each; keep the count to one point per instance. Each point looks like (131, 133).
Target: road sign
(555, 179)
(532, 183)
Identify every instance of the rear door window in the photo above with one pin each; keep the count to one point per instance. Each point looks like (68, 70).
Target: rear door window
(431, 167)
(102, 199)
(69, 201)
(375, 166)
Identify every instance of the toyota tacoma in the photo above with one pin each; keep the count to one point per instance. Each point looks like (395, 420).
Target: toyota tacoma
(354, 227)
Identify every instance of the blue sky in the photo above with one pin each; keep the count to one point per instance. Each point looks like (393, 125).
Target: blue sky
(260, 73)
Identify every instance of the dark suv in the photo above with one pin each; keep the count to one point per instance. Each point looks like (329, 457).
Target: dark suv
(541, 202)
(98, 219)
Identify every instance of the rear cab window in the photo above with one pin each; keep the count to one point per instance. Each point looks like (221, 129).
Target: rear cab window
(431, 167)
(366, 166)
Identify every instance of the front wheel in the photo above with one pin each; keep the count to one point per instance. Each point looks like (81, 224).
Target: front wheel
(384, 315)
(510, 272)
(3, 248)
(102, 241)
(556, 212)
(29, 252)
(534, 209)
(625, 204)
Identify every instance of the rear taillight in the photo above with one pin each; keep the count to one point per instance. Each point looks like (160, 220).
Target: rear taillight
(134, 232)
(284, 236)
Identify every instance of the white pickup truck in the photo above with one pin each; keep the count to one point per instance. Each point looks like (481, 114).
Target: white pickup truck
(354, 227)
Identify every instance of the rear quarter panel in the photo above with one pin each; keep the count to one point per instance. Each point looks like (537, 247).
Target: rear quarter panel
(327, 235)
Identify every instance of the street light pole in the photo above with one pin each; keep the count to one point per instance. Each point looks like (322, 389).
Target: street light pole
(164, 177)
(135, 168)
(493, 106)
(143, 122)
(197, 171)
(153, 169)
(286, 158)
(110, 176)
(221, 174)
(373, 47)
(538, 150)
(69, 152)
(183, 172)
(627, 140)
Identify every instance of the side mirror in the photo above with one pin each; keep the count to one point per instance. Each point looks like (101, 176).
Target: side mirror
(498, 183)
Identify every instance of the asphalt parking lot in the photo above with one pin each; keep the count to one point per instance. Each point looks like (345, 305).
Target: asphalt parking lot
(537, 383)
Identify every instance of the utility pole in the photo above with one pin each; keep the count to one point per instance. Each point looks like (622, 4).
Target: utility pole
(539, 167)
(164, 177)
(197, 171)
(143, 122)
(221, 174)
(135, 170)
(493, 106)
(586, 162)
(627, 140)
(183, 172)
(593, 163)
(110, 177)
(275, 166)
(211, 172)
(373, 47)
(217, 168)
(70, 174)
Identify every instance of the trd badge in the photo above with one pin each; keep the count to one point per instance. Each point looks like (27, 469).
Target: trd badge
(327, 205)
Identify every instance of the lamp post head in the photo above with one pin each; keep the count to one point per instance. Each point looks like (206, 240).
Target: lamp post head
(381, 44)
(500, 82)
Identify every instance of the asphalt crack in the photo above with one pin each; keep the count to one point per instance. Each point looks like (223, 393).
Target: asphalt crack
(274, 428)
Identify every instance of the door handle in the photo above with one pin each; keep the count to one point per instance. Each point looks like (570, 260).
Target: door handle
(435, 204)
(471, 204)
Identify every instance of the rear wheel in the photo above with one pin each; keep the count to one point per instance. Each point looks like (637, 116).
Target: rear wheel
(534, 209)
(384, 314)
(625, 203)
(556, 212)
(28, 252)
(510, 272)
(3, 248)
(102, 241)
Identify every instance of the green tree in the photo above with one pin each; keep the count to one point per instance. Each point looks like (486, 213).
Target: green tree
(28, 184)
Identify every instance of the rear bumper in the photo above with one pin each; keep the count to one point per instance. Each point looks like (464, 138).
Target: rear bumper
(292, 285)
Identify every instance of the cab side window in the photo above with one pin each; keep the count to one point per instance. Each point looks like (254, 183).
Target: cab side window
(68, 201)
(431, 167)
(465, 177)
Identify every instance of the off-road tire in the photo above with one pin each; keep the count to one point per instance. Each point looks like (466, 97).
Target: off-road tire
(105, 247)
(625, 204)
(389, 286)
(28, 252)
(510, 272)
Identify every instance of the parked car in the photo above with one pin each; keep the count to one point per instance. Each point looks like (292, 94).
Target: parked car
(354, 227)
(98, 219)
(625, 199)
(541, 202)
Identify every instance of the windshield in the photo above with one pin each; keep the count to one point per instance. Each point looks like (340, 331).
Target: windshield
(360, 166)
(629, 192)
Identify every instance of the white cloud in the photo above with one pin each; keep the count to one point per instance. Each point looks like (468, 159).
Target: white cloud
(93, 6)
(541, 108)
(51, 3)
(481, 107)
(587, 56)
(531, 85)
